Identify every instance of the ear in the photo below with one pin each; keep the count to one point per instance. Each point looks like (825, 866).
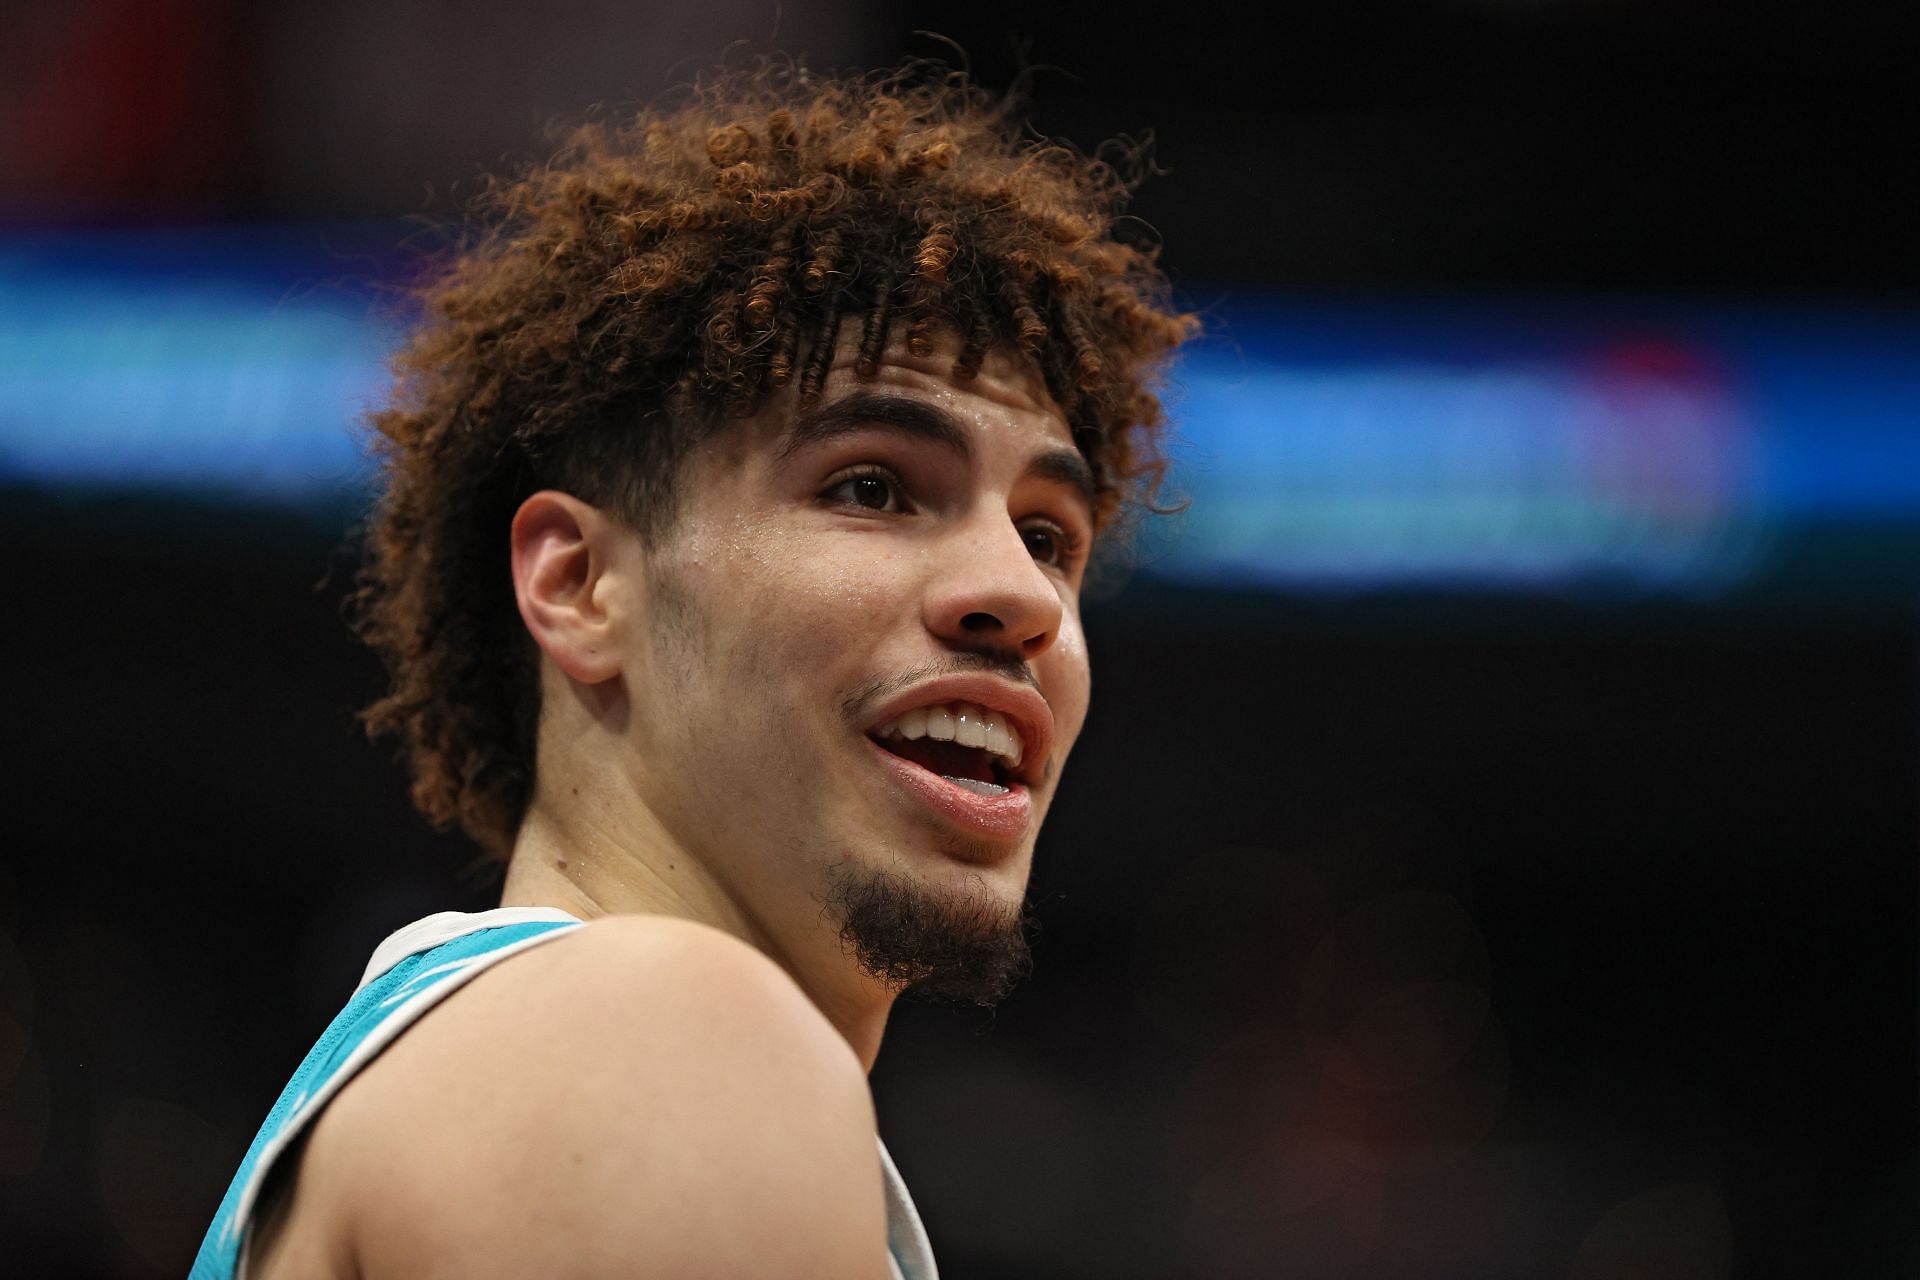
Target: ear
(563, 565)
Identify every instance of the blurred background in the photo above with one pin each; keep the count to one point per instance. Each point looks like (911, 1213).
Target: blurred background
(1492, 853)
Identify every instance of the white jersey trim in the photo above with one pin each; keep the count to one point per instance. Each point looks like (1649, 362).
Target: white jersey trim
(444, 926)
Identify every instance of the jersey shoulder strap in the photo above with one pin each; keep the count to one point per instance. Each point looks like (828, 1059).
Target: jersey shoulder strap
(412, 971)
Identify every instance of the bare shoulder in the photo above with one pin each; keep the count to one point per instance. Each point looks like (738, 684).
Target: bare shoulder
(642, 1096)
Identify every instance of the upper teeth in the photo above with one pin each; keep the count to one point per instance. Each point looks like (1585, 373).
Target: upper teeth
(960, 722)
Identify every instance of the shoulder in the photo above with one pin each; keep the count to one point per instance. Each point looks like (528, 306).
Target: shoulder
(642, 1095)
(645, 968)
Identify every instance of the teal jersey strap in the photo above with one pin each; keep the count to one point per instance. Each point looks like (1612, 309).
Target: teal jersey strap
(387, 1002)
(378, 1012)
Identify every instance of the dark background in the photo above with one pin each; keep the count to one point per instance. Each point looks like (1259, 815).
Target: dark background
(1397, 933)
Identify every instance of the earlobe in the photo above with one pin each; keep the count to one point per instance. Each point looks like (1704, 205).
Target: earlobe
(561, 551)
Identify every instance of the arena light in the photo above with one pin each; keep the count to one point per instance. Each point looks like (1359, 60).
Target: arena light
(1326, 444)
(1349, 444)
(179, 367)
(1496, 471)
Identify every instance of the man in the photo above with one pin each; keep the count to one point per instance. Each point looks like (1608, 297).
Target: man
(740, 487)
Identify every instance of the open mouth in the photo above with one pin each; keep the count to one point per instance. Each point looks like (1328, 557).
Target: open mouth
(963, 761)
(975, 768)
(974, 748)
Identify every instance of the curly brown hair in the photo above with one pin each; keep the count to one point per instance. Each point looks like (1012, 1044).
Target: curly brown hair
(666, 273)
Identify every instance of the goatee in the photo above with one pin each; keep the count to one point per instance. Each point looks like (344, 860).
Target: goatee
(963, 947)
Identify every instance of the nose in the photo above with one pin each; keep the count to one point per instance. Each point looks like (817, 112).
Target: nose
(991, 596)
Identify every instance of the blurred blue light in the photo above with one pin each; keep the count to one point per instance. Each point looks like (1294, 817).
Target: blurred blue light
(1326, 444)
(177, 368)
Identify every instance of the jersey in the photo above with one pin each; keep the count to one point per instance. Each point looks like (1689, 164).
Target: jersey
(413, 970)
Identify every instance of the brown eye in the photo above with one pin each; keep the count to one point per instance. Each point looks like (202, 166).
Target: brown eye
(1043, 544)
(871, 492)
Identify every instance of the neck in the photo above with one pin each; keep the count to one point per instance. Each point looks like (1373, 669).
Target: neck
(591, 868)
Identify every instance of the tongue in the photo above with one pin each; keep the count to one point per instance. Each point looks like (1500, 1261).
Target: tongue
(949, 759)
(979, 788)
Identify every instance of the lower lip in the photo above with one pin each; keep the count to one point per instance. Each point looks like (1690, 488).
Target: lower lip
(997, 817)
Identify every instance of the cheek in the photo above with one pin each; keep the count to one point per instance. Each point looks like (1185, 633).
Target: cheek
(1066, 673)
(797, 610)
(846, 584)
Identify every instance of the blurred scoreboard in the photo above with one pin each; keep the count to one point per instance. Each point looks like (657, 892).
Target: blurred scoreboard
(1323, 443)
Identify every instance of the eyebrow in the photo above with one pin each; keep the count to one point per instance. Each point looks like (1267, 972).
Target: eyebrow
(904, 415)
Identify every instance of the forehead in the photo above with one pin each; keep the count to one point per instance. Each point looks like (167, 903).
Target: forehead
(1006, 401)
(1008, 388)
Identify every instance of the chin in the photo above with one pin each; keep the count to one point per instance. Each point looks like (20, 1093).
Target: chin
(958, 933)
(959, 864)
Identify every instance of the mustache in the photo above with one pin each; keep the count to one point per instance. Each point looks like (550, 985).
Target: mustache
(1005, 666)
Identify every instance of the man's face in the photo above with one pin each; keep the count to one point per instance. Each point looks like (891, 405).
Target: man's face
(842, 589)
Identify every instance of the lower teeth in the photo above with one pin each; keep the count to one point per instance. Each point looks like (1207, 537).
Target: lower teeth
(978, 788)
